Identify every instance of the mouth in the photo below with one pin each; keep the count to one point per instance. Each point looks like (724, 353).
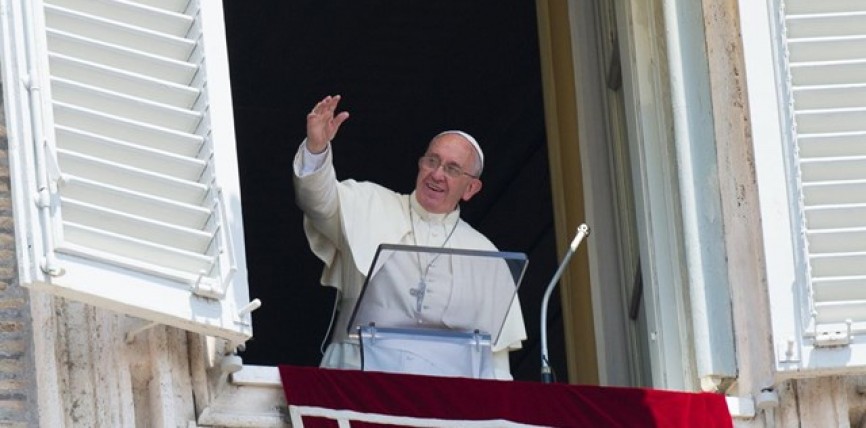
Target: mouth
(434, 187)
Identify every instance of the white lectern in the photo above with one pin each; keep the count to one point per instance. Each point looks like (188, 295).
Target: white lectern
(435, 311)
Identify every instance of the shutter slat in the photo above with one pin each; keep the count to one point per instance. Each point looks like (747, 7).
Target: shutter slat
(135, 227)
(121, 34)
(124, 82)
(132, 131)
(118, 105)
(840, 288)
(847, 48)
(804, 7)
(134, 203)
(132, 179)
(110, 55)
(834, 193)
(844, 240)
(833, 168)
(836, 216)
(828, 73)
(839, 312)
(825, 25)
(838, 264)
(831, 144)
(830, 96)
(119, 247)
(160, 162)
(178, 6)
(152, 18)
(831, 120)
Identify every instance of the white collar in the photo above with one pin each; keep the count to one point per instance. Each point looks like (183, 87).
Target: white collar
(427, 216)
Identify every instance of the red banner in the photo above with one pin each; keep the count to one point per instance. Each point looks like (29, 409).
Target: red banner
(321, 397)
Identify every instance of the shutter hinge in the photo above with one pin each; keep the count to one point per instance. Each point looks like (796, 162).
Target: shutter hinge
(205, 287)
(207, 290)
(833, 337)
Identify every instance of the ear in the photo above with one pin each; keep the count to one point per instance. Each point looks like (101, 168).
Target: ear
(473, 188)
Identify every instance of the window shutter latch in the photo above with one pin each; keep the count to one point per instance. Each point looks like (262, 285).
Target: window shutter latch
(788, 352)
(834, 337)
(244, 312)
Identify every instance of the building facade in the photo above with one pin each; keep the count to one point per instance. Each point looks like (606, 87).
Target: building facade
(716, 148)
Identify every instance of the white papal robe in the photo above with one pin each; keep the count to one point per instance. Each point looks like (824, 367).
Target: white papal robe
(345, 221)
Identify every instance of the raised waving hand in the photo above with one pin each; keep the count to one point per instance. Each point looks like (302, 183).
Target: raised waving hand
(323, 124)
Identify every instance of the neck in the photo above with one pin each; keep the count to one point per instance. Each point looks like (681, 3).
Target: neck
(426, 215)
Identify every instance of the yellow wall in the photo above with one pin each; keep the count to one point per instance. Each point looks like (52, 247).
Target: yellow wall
(560, 106)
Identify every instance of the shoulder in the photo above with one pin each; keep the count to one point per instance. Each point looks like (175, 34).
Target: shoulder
(368, 189)
(473, 239)
(369, 194)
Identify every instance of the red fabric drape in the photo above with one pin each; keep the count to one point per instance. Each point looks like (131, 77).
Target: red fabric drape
(557, 405)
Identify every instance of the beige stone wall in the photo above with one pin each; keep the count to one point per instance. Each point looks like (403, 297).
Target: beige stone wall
(17, 387)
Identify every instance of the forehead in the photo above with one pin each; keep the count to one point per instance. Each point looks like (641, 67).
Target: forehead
(451, 147)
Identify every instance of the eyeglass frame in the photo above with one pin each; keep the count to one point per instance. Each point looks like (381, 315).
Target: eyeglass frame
(452, 169)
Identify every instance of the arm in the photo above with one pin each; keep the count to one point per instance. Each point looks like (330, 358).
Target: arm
(314, 179)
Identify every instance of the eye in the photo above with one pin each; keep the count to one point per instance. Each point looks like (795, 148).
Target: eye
(453, 170)
(429, 162)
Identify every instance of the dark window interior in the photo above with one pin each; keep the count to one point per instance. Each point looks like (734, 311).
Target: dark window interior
(406, 70)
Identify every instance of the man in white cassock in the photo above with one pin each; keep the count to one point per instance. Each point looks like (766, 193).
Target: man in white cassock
(346, 221)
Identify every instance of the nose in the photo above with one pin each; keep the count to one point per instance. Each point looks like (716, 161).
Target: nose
(438, 173)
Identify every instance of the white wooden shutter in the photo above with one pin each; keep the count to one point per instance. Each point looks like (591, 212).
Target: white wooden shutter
(822, 328)
(127, 184)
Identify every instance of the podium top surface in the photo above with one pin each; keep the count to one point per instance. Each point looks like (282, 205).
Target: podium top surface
(448, 289)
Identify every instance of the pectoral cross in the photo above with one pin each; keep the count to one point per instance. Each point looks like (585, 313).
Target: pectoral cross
(419, 293)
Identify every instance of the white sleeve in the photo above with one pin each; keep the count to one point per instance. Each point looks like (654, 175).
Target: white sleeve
(310, 162)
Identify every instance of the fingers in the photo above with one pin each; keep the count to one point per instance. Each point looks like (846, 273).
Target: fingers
(338, 120)
(322, 124)
(323, 112)
(326, 106)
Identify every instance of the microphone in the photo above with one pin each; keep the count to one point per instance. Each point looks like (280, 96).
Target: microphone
(582, 232)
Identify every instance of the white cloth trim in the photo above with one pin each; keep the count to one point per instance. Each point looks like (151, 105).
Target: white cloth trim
(311, 162)
(343, 417)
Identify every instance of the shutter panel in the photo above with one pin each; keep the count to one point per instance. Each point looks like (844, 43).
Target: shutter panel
(141, 211)
(826, 51)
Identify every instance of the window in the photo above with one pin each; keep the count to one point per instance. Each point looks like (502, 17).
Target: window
(122, 158)
(809, 123)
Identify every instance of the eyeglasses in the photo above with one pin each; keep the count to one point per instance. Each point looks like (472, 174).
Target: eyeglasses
(451, 169)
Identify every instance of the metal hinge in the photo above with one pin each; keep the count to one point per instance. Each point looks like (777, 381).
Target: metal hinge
(206, 287)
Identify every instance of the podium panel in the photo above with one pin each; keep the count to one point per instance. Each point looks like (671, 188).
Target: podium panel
(435, 311)
(426, 352)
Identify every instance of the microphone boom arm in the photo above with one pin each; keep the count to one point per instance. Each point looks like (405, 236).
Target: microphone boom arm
(582, 232)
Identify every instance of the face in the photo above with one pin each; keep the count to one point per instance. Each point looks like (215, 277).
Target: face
(435, 190)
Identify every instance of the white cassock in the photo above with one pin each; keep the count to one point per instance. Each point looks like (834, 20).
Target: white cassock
(346, 221)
